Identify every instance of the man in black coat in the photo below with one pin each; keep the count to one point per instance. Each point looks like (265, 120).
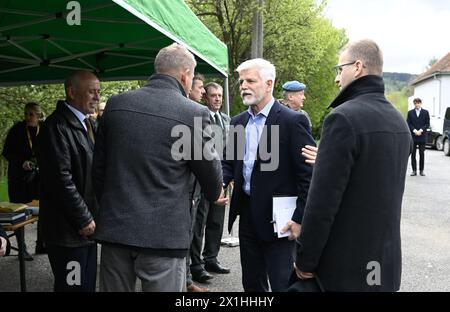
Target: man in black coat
(264, 161)
(350, 234)
(149, 144)
(418, 121)
(67, 203)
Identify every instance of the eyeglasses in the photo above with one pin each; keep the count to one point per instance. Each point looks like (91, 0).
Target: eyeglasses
(338, 68)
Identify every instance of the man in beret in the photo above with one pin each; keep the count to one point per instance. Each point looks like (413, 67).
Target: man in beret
(294, 97)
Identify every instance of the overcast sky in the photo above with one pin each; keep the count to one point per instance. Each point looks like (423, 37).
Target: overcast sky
(410, 32)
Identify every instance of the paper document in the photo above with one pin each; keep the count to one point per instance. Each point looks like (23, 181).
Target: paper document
(283, 209)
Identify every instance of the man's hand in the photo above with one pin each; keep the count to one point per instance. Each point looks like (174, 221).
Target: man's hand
(27, 165)
(294, 228)
(3, 243)
(310, 153)
(303, 275)
(88, 229)
(222, 201)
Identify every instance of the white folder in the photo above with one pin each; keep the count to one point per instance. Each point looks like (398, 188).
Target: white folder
(283, 210)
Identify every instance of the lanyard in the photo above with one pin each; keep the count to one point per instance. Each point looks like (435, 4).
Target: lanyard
(30, 142)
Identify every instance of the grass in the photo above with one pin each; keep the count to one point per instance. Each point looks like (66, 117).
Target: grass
(4, 190)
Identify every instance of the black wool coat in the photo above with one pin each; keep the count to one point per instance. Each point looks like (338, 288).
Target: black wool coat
(352, 216)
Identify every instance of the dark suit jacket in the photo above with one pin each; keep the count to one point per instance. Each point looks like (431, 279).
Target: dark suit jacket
(291, 178)
(421, 122)
(226, 125)
(145, 193)
(352, 216)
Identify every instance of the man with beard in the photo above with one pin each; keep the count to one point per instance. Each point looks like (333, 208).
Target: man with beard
(269, 127)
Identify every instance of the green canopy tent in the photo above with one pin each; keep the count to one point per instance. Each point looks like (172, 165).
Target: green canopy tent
(117, 39)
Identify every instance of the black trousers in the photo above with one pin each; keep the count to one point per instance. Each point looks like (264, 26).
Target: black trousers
(208, 223)
(263, 262)
(421, 155)
(196, 202)
(74, 268)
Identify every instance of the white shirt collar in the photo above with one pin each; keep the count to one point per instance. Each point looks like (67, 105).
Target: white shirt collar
(80, 116)
(213, 114)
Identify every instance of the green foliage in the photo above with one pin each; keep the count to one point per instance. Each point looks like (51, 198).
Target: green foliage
(301, 43)
(400, 100)
(4, 190)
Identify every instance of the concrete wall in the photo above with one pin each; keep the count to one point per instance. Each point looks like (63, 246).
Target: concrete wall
(429, 92)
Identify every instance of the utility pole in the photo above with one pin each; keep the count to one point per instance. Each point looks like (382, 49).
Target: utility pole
(258, 31)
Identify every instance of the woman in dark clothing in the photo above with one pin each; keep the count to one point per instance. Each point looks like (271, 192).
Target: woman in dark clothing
(19, 150)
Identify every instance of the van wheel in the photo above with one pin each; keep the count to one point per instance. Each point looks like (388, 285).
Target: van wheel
(440, 143)
(446, 147)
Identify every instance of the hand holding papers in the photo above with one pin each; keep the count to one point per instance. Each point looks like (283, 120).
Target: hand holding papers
(283, 209)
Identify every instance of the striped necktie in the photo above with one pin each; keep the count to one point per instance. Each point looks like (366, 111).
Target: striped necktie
(90, 132)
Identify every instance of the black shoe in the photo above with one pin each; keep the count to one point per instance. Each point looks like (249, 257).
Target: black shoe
(201, 276)
(27, 256)
(413, 174)
(216, 268)
(422, 174)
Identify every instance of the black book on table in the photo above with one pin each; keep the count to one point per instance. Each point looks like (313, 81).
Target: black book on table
(10, 218)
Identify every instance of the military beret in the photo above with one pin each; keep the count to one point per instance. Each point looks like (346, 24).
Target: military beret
(294, 86)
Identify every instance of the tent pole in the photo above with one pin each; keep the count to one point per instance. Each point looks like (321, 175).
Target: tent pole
(226, 96)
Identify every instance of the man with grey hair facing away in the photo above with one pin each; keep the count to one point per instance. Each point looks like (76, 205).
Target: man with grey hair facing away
(268, 124)
(350, 235)
(144, 185)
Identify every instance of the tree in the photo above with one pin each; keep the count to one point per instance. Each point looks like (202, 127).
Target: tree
(433, 61)
(301, 43)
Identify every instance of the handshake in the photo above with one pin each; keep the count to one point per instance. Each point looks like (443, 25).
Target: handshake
(222, 200)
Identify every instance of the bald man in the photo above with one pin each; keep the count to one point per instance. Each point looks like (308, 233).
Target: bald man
(67, 202)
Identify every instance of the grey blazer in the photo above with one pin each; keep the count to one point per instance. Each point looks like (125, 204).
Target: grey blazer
(145, 194)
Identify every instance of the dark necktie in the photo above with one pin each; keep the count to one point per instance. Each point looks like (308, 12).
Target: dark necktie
(90, 132)
(217, 120)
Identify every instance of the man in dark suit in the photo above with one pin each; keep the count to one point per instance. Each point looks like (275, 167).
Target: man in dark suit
(149, 144)
(418, 121)
(67, 201)
(264, 161)
(196, 94)
(210, 216)
(350, 234)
